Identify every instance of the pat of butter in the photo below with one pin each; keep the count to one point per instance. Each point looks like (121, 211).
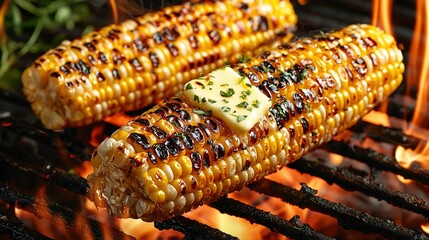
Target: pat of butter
(230, 97)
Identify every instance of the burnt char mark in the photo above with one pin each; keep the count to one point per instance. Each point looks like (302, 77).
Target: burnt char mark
(184, 115)
(360, 66)
(64, 69)
(175, 121)
(154, 59)
(305, 125)
(193, 41)
(162, 111)
(117, 57)
(55, 75)
(194, 25)
(141, 45)
(215, 36)
(170, 33)
(100, 77)
(281, 112)
(173, 49)
(187, 140)
(90, 46)
(140, 139)
(212, 125)
(204, 129)
(160, 150)
(172, 148)
(177, 141)
(174, 106)
(374, 59)
(159, 133)
(92, 60)
(260, 23)
(158, 38)
(195, 132)
(196, 160)
(151, 157)
(83, 67)
(136, 64)
(113, 34)
(115, 74)
(206, 158)
(142, 121)
(103, 58)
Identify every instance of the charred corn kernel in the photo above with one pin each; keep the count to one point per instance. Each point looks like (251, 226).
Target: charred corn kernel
(312, 99)
(151, 57)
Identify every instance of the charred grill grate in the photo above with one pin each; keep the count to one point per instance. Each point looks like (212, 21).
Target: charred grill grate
(19, 129)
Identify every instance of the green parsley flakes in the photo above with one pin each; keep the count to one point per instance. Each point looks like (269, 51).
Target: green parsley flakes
(228, 93)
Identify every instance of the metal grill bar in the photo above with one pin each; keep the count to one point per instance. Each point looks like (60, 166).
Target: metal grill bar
(18, 230)
(353, 182)
(58, 214)
(347, 217)
(292, 228)
(192, 229)
(379, 161)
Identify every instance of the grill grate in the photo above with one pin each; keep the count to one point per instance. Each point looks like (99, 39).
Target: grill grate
(19, 129)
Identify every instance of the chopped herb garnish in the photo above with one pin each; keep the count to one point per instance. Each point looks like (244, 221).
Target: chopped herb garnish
(226, 64)
(255, 104)
(241, 118)
(200, 111)
(181, 135)
(228, 92)
(307, 108)
(188, 86)
(242, 105)
(225, 101)
(243, 59)
(224, 85)
(225, 109)
(303, 74)
(248, 84)
(196, 98)
(241, 79)
(212, 101)
(203, 100)
(210, 82)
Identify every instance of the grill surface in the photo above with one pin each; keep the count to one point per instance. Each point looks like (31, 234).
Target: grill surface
(35, 162)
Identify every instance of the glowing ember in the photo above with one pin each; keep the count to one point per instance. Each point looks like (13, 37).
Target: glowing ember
(418, 78)
(425, 227)
(118, 119)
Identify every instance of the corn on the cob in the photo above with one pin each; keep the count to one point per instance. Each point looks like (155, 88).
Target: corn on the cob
(175, 156)
(133, 64)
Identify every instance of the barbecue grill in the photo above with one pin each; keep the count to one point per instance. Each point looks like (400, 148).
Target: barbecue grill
(38, 187)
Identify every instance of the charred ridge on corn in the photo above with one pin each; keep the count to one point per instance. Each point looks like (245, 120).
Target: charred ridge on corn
(135, 63)
(318, 86)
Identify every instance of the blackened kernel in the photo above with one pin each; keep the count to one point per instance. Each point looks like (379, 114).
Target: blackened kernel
(205, 130)
(206, 158)
(151, 157)
(196, 160)
(220, 150)
(253, 137)
(117, 57)
(246, 165)
(90, 46)
(158, 132)
(71, 66)
(268, 67)
(115, 74)
(215, 36)
(173, 49)
(244, 6)
(212, 125)
(158, 37)
(292, 131)
(103, 58)
(140, 139)
(64, 69)
(55, 75)
(92, 60)
(253, 78)
(100, 77)
(374, 59)
(187, 140)
(154, 59)
(305, 125)
(135, 162)
(142, 121)
(178, 142)
(262, 23)
(195, 133)
(175, 121)
(174, 106)
(171, 147)
(182, 186)
(184, 115)
(300, 106)
(193, 41)
(161, 112)
(136, 64)
(160, 151)
(258, 68)
(141, 45)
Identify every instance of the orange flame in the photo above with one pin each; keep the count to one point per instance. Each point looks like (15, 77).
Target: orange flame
(418, 77)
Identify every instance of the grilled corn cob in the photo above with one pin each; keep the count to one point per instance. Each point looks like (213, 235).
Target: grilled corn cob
(178, 155)
(133, 64)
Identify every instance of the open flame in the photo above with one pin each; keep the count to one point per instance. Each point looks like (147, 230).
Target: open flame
(418, 78)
